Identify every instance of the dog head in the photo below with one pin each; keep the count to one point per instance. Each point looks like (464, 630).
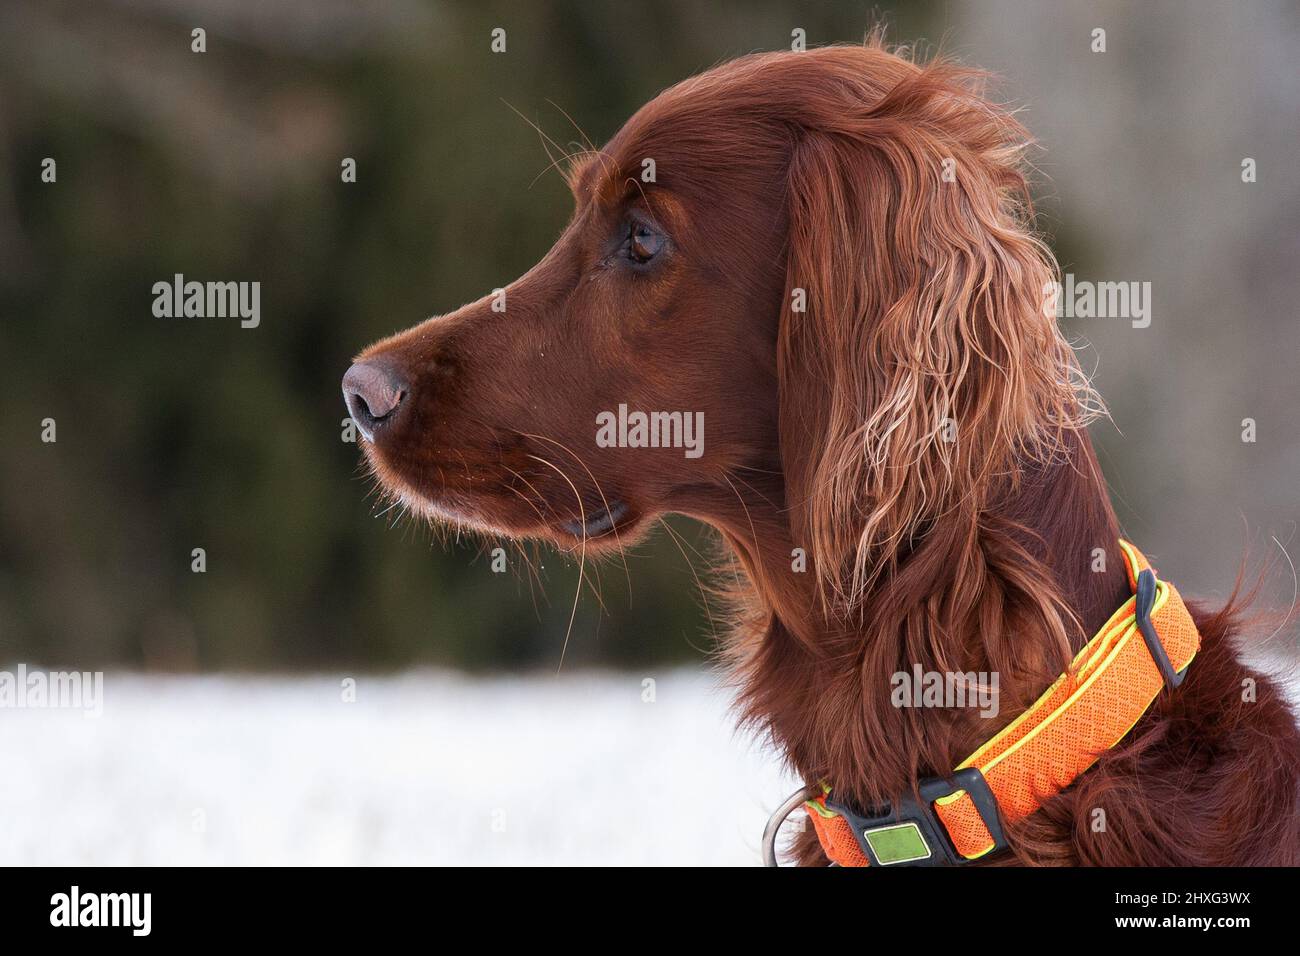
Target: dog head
(822, 258)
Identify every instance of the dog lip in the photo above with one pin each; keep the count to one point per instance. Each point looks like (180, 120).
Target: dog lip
(599, 522)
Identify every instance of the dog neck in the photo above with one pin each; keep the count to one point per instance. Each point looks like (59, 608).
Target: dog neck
(820, 682)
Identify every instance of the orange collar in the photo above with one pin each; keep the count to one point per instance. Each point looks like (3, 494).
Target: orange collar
(1145, 646)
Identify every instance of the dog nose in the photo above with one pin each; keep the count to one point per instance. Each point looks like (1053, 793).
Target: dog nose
(373, 393)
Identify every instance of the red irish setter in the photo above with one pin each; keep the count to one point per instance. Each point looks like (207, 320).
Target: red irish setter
(829, 255)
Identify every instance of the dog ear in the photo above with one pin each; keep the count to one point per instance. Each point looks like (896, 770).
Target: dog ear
(919, 367)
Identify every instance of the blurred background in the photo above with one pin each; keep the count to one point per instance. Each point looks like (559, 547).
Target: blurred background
(182, 434)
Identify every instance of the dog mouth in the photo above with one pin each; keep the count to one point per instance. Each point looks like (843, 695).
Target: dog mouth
(595, 524)
(470, 509)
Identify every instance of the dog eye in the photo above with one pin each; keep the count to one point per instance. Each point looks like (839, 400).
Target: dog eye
(643, 243)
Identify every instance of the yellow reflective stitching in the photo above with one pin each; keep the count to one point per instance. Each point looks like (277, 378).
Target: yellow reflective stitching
(1120, 617)
(822, 811)
(1089, 653)
(1101, 668)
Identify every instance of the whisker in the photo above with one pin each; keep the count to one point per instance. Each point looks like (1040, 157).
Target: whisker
(704, 598)
(582, 558)
(600, 491)
(591, 147)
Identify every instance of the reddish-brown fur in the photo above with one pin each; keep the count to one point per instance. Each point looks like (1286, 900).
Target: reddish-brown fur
(823, 172)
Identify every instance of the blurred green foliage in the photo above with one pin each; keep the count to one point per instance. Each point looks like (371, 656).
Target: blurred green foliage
(177, 434)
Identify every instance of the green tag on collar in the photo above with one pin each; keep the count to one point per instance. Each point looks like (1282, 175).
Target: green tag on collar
(897, 843)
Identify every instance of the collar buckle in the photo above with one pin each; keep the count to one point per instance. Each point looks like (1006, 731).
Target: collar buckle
(910, 832)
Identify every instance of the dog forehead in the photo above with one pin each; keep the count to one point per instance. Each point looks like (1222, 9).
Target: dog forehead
(685, 147)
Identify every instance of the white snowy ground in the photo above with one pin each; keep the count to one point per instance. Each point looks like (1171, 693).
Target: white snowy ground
(427, 768)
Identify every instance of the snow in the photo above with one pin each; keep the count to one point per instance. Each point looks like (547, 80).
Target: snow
(423, 768)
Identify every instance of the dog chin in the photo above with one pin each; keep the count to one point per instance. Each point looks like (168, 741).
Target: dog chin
(441, 510)
(612, 521)
(597, 532)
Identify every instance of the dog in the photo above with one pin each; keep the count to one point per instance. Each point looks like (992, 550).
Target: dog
(828, 257)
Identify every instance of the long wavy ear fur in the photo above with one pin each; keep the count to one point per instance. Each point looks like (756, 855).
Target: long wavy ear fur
(924, 372)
